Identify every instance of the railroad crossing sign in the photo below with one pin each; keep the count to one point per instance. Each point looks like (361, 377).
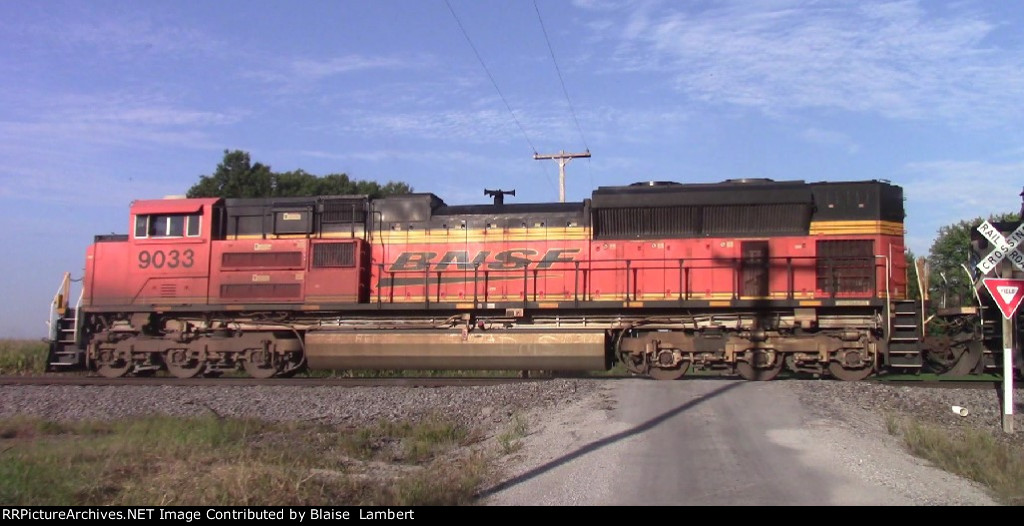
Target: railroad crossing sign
(1007, 292)
(1006, 247)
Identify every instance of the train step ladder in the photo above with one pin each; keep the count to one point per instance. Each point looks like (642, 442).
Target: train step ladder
(991, 336)
(905, 335)
(64, 351)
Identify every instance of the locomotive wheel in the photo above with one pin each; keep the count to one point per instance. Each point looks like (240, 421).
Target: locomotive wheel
(849, 375)
(109, 365)
(258, 364)
(675, 373)
(181, 366)
(755, 369)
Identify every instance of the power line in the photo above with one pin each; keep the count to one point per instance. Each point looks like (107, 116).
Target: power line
(560, 79)
(495, 83)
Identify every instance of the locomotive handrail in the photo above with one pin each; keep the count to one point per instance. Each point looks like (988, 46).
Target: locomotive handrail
(864, 280)
(78, 314)
(58, 307)
(977, 295)
(888, 304)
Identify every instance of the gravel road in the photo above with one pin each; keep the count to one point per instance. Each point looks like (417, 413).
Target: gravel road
(844, 423)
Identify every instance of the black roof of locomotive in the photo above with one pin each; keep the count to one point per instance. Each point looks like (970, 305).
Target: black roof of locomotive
(659, 208)
(511, 208)
(830, 201)
(427, 209)
(731, 192)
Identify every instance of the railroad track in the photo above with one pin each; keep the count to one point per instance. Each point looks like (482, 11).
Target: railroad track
(989, 382)
(231, 382)
(986, 382)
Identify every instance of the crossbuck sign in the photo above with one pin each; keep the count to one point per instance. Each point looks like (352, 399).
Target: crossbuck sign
(1008, 294)
(1005, 247)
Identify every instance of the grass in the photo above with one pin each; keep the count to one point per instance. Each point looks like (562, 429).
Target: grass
(167, 461)
(22, 357)
(404, 442)
(972, 454)
(510, 441)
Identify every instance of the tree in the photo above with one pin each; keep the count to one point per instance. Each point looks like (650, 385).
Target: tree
(236, 176)
(949, 254)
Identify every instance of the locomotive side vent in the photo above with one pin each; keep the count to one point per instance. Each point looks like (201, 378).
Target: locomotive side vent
(698, 221)
(845, 266)
(260, 290)
(613, 223)
(330, 255)
(759, 219)
(342, 211)
(245, 260)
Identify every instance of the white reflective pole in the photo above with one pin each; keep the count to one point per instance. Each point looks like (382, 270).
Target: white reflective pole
(1008, 347)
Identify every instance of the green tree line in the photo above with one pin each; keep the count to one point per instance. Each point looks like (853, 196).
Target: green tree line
(948, 281)
(238, 176)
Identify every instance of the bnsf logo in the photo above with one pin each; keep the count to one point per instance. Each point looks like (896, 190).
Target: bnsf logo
(518, 258)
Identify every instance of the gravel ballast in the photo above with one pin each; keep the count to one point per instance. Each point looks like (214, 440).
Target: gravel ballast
(351, 406)
(854, 402)
(848, 401)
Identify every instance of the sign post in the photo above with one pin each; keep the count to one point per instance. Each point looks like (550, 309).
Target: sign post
(1007, 294)
(1008, 375)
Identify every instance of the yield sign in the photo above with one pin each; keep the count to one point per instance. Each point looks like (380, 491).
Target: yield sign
(1007, 293)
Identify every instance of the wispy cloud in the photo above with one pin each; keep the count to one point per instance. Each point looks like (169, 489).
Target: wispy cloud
(600, 5)
(86, 186)
(939, 193)
(489, 122)
(830, 138)
(469, 172)
(431, 157)
(303, 74)
(110, 35)
(310, 69)
(473, 126)
(970, 187)
(896, 59)
(112, 119)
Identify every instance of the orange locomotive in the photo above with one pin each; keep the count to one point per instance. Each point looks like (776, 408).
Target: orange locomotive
(745, 276)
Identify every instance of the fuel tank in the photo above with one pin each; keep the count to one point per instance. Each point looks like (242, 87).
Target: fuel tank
(504, 349)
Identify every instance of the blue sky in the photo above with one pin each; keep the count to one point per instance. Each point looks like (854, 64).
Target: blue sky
(105, 102)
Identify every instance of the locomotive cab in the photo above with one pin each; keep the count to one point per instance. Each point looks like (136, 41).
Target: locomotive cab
(164, 260)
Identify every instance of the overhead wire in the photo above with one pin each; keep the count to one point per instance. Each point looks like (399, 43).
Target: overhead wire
(561, 79)
(565, 91)
(489, 75)
(496, 88)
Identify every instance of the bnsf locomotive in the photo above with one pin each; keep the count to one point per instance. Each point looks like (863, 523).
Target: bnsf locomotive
(745, 276)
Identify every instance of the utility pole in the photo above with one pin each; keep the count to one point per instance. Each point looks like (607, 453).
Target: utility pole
(563, 159)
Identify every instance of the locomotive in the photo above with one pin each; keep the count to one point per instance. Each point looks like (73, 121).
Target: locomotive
(745, 276)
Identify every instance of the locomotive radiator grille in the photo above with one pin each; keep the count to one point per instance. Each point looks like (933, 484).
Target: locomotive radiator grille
(262, 290)
(327, 255)
(242, 260)
(845, 265)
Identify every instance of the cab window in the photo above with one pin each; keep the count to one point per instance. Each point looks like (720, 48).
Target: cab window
(167, 225)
